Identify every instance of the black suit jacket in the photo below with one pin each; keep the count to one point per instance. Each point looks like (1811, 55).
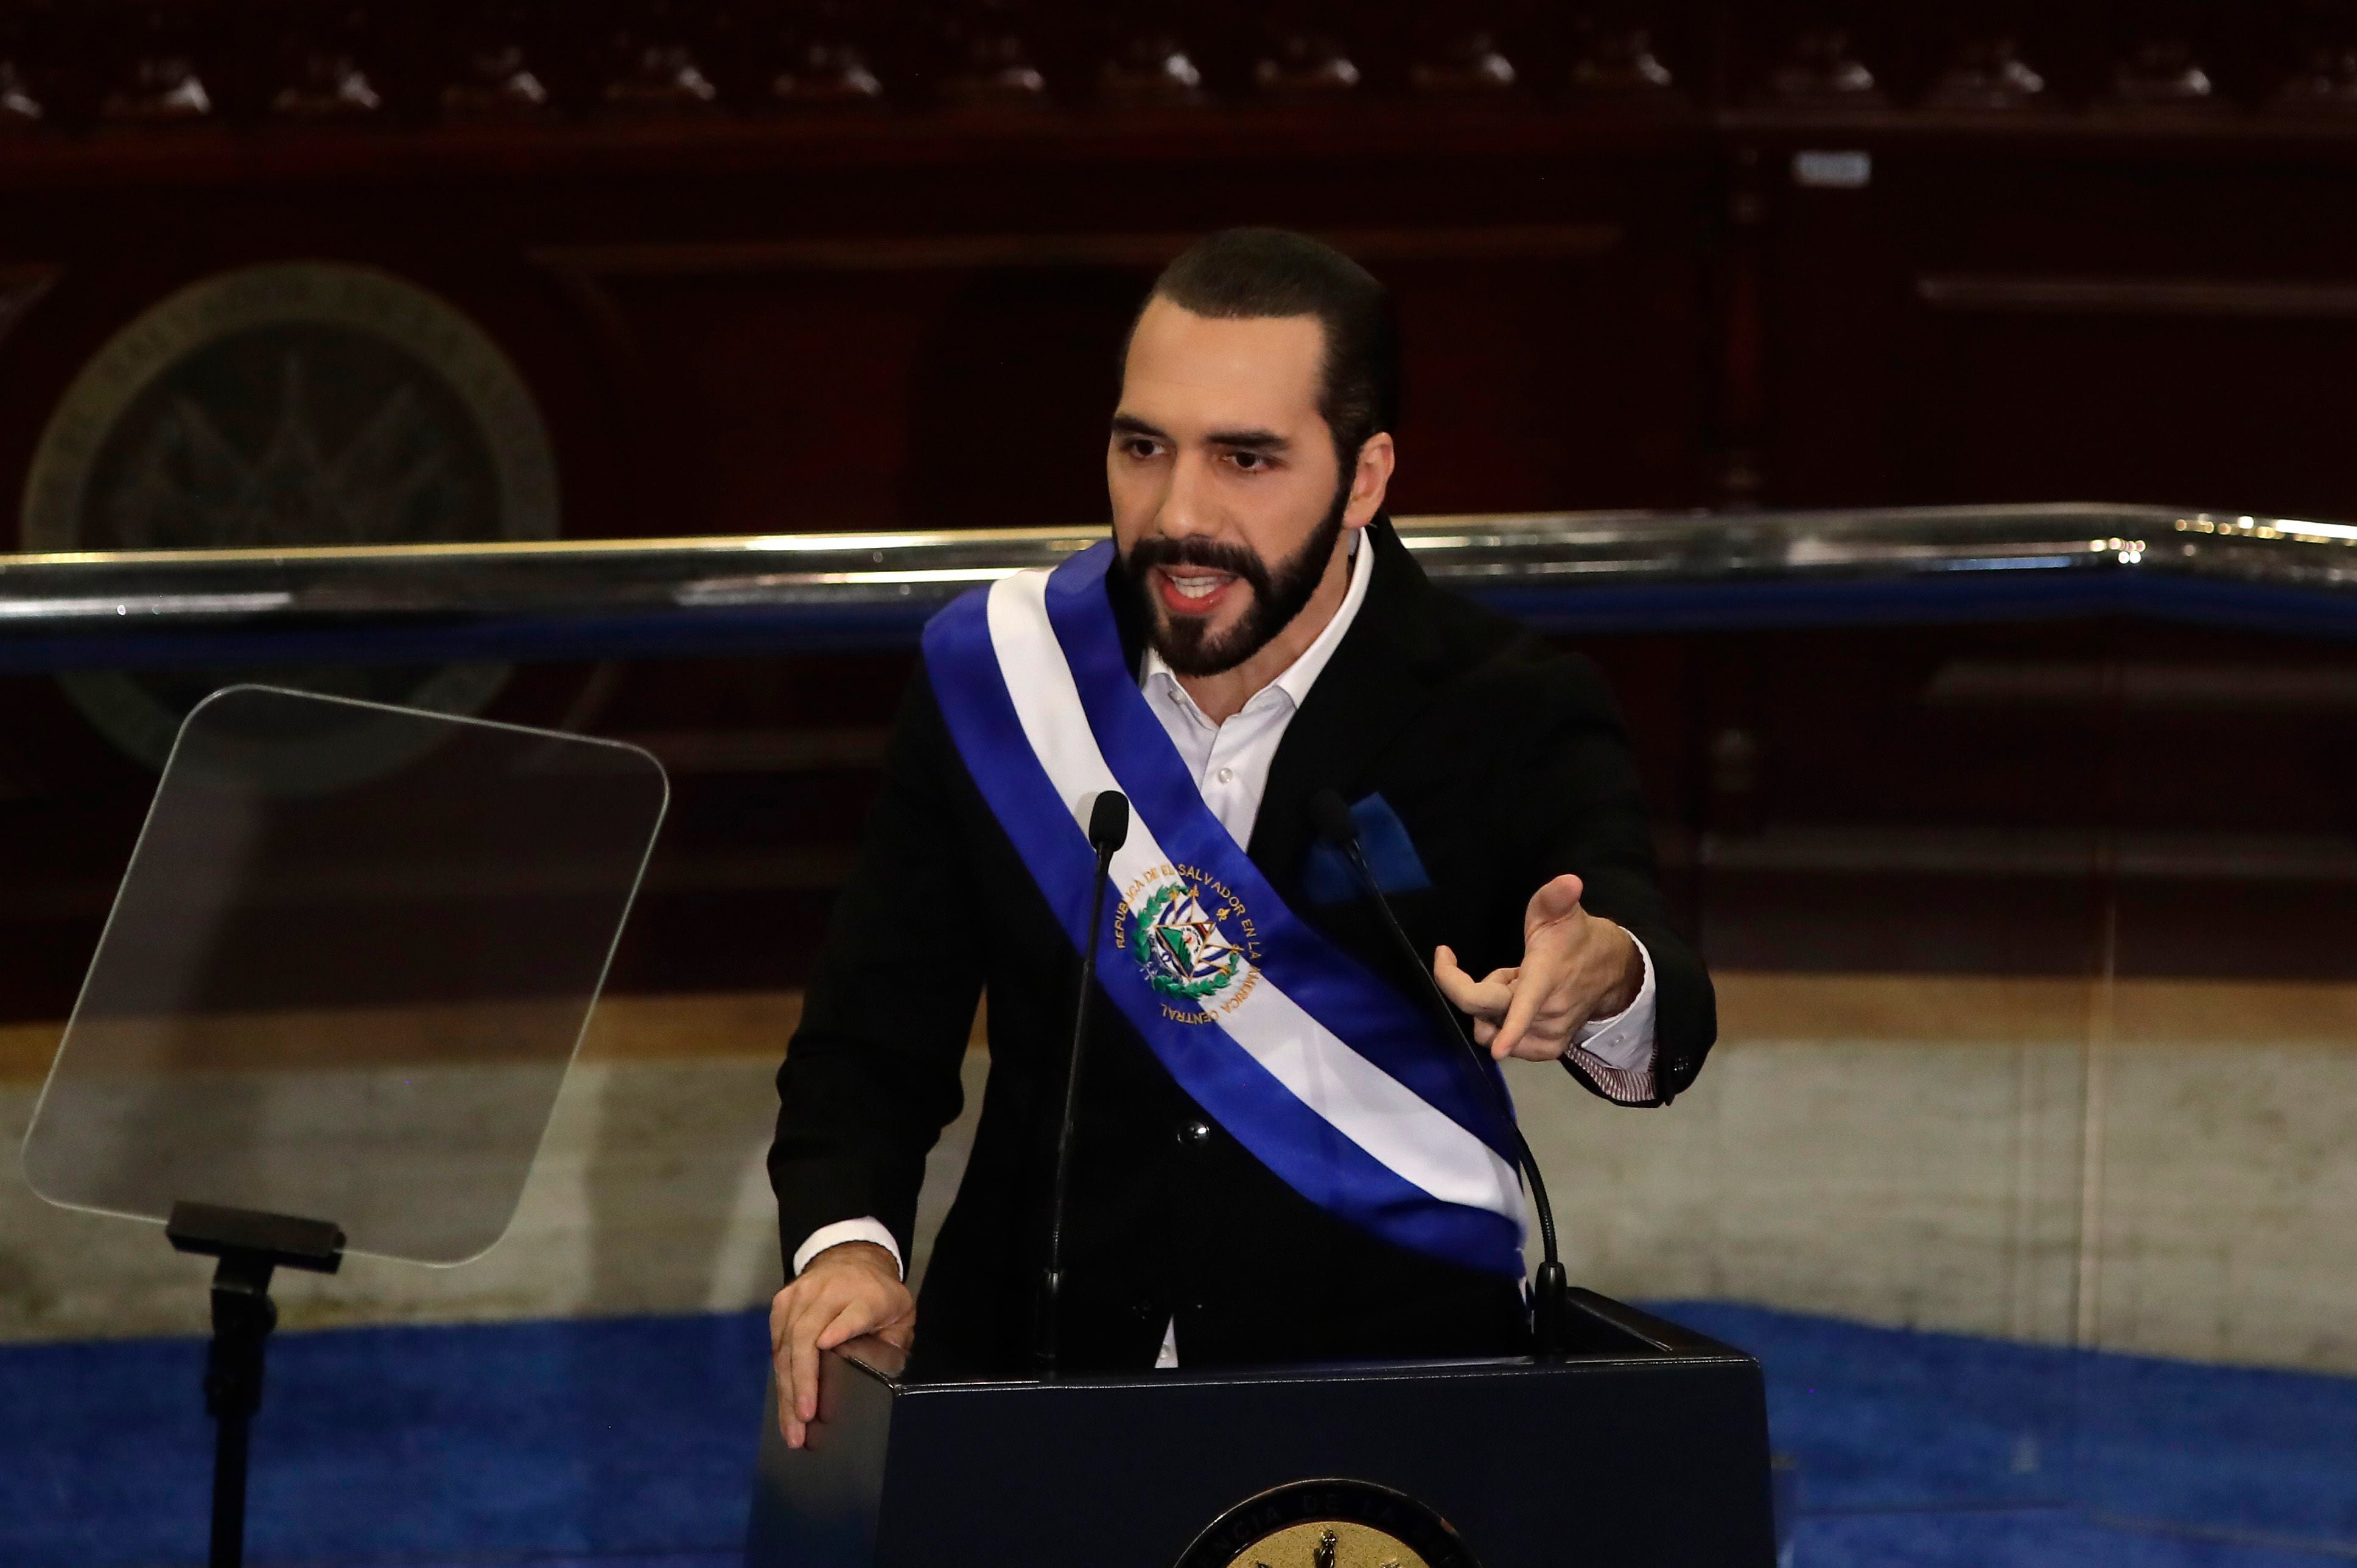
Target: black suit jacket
(1507, 764)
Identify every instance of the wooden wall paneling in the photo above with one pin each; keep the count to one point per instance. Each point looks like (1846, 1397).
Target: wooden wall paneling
(2183, 391)
(103, 285)
(1737, 333)
(2061, 315)
(1979, 776)
(2154, 323)
(1835, 311)
(1577, 373)
(1831, 791)
(787, 384)
(73, 805)
(963, 380)
(21, 287)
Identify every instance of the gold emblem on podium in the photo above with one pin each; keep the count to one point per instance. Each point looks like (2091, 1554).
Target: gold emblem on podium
(1332, 1523)
(1328, 1543)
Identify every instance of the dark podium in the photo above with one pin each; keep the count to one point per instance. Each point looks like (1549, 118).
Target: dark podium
(1646, 1444)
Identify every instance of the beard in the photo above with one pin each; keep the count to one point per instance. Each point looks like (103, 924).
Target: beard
(1280, 593)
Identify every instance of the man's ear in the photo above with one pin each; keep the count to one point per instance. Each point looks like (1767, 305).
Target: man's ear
(1370, 481)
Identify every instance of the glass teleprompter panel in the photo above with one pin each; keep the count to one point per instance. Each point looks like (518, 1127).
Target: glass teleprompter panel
(351, 962)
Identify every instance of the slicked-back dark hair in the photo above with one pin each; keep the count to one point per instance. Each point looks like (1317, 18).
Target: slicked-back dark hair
(1250, 273)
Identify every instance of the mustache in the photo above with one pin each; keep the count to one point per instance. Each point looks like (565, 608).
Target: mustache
(1218, 556)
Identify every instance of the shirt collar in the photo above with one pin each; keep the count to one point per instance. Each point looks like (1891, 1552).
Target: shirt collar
(1298, 677)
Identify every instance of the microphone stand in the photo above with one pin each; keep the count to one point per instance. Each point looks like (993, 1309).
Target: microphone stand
(1551, 1289)
(1108, 830)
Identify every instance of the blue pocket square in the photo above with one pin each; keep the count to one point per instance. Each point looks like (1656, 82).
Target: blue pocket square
(1391, 856)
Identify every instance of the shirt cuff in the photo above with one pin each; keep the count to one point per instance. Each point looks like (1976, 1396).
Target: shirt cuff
(865, 1228)
(1617, 1053)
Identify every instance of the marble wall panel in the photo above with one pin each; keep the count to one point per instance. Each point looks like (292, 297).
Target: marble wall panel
(1903, 1151)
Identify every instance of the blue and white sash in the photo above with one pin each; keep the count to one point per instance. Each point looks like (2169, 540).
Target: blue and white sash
(1330, 1078)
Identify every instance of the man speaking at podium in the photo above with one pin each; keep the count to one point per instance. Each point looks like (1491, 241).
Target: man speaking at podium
(1278, 1155)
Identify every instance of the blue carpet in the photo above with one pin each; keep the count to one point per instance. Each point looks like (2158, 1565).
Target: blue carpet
(2021, 1539)
(1942, 1449)
(618, 1439)
(629, 1443)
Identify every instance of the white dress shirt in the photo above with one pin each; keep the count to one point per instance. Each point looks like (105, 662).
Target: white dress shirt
(1230, 764)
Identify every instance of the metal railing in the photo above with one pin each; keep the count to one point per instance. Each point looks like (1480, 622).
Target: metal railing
(814, 592)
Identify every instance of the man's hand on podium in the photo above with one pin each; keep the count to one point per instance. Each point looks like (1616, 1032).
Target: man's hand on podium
(842, 1294)
(1576, 967)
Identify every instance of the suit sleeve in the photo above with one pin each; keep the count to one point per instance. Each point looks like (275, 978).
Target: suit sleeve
(1579, 794)
(871, 1075)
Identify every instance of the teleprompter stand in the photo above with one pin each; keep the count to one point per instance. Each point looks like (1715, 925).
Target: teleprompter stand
(250, 1247)
(348, 969)
(1644, 1444)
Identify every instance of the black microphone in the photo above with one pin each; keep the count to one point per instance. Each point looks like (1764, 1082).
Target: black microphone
(1108, 830)
(1550, 1291)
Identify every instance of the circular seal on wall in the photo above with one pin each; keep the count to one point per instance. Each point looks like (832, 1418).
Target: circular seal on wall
(309, 402)
(1330, 1524)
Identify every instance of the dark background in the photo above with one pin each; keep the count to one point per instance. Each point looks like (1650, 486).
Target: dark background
(1633, 277)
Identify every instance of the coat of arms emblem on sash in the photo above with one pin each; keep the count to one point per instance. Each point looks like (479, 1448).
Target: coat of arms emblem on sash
(1189, 935)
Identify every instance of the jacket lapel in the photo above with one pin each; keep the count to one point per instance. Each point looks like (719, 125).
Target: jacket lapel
(1382, 675)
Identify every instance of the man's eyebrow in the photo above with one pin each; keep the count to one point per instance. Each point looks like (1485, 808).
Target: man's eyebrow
(1249, 440)
(1130, 424)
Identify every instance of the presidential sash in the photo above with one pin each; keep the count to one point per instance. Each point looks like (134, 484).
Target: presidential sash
(1329, 1076)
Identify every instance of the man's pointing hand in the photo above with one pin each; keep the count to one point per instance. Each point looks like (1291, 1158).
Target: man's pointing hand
(1576, 967)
